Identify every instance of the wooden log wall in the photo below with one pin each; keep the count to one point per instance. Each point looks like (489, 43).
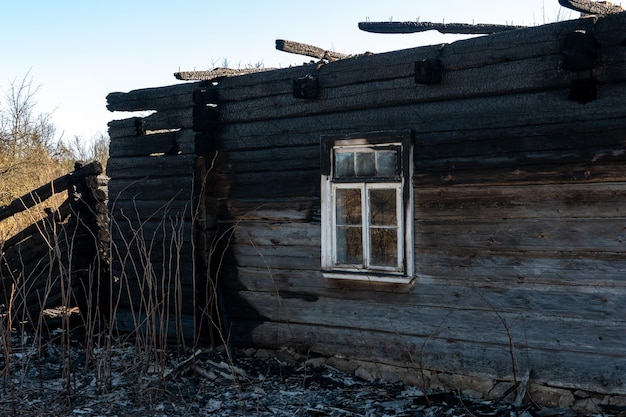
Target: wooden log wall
(61, 260)
(160, 224)
(519, 207)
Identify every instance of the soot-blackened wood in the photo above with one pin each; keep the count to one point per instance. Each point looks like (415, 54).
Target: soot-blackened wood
(580, 52)
(275, 209)
(592, 372)
(438, 321)
(287, 184)
(163, 189)
(514, 77)
(599, 236)
(475, 53)
(177, 326)
(565, 297)
(550, 201)
(217, 73)
(275, 159)
(549, 271)
(436, 119)
(164, 120)
(181, 141)
(308, 50)
(598, 8)
(414, 27)
(90, 257)
(160, 98)
(151, 166)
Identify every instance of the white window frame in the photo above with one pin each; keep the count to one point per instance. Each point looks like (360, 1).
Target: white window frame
(404, 271)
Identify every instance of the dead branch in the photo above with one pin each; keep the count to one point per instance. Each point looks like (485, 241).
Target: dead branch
(598, 8)
(413, 27)
(308, 50)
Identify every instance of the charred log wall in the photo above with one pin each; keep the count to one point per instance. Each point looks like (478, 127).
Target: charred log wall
(158, 169)
(519, 194)
(61, 260)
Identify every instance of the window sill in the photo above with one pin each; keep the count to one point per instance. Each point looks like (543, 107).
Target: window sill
(365, 277)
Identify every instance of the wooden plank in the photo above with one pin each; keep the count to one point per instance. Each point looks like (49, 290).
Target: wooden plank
(158, 143)
(159, 98)
(274, 159)
(472, 53)
(576, 298)
(163, 189)
(172, 119)
(579, 136)
(570, 235)
(505, 78)
(151, 166)
(547, 173)
(296, 183)
(159, 232)
(595, 373)
(282, 257)
(451, 118)
(277, 209)
(549, 269)
(147, 209)
(275, 234)
(563, 143)
(177, 327)
(550, 201)
(527, 329)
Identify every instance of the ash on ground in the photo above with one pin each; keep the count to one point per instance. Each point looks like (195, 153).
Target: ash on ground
(60, 377)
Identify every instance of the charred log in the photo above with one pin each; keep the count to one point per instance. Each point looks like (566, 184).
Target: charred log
(308, 50)
(598, 8)
(414, 27)
(215, 74)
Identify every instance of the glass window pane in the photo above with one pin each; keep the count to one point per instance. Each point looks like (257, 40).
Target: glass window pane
(349, 245)
(382, 203)
(344, 165)
(348, 206)
(387, 163)
(384, 247)
(365, 164)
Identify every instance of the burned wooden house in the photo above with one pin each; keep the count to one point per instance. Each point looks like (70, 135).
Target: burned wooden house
(454, 211)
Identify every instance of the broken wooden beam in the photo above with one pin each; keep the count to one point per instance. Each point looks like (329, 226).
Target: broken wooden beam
(598, 8)
(44, 192)
(456, 28)
(309, 50)
(215, 73)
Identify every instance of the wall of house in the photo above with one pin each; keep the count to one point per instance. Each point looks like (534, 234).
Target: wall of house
(153, 204)
(519, 222)
(518, 197)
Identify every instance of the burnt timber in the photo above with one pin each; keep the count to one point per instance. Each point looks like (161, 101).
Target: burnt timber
(519, 195)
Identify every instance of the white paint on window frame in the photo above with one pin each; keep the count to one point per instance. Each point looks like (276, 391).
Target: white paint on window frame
(404, 272)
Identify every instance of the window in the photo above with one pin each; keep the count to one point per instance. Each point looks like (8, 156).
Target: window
(367, 209)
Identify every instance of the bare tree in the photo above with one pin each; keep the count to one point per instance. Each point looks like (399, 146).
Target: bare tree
(85, 150)
(26, 141)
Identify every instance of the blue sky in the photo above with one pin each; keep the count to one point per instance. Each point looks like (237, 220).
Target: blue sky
(79, 51)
